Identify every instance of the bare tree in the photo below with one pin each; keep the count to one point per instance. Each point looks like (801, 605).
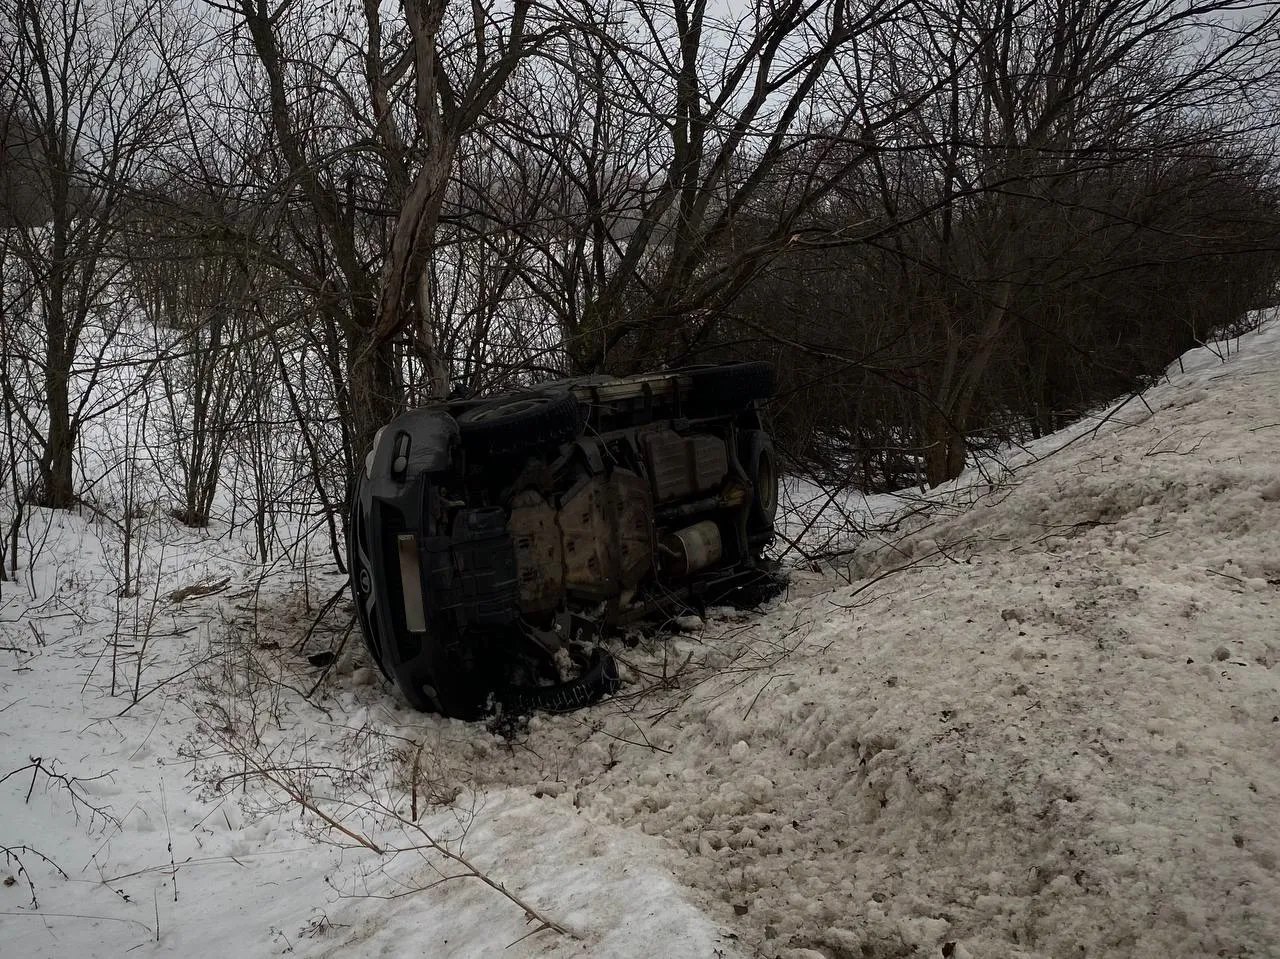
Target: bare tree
(1059, 91)
(93, 107)
(673, 132)
(194, 297)
(1013, 220)
(920, 210)
(407, 88)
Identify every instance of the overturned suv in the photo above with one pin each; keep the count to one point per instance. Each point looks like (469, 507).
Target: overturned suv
(495, 540)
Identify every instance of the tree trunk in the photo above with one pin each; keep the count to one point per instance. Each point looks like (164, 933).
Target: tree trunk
(945, 448)
(57, 488)
(374, 388)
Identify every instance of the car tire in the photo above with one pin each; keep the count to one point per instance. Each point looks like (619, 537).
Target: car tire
(515, 424)
(727, 386)
(761, 464)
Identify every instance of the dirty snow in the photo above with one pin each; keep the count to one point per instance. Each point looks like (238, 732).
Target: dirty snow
(1040, 719)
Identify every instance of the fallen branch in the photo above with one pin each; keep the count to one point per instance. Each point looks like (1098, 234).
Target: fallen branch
(205, 588)
(298, 795)
(11, 855)
(70, 783)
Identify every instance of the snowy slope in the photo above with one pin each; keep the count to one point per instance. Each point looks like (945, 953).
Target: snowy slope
(135, 827)
(1041, 720)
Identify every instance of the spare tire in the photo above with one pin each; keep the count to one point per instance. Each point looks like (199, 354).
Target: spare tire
(761, 465)
(728, 386)
(520, 422)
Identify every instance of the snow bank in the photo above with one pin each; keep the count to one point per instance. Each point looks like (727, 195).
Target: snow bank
(1053, 731)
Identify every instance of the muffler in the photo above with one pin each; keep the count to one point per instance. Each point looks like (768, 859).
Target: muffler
(693, 548)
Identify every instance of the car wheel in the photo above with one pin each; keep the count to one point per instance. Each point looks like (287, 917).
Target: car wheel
(728, 386)
(761, 465)
(514, 424)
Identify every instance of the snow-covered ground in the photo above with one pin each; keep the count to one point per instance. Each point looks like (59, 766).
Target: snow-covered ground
(1041, 719)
